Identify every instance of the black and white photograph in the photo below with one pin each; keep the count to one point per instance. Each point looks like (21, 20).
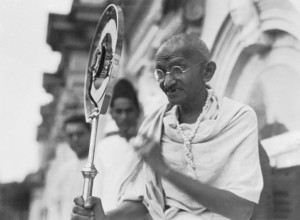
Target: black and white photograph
(150, 110)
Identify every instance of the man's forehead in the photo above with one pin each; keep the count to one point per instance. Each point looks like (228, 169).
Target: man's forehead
(171, 51)
(71, 126)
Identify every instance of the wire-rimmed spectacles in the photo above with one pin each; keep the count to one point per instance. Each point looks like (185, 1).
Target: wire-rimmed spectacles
(176, 71)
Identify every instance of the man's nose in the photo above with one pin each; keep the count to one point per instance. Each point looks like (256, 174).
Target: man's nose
(169, 81)
(123, 115)
(74, 137)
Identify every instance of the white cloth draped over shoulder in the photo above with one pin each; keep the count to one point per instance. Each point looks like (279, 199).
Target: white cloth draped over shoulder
(225, 153)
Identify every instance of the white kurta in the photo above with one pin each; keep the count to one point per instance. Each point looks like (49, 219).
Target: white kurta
(114, 160)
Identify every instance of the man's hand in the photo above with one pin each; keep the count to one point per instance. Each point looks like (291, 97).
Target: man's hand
(91, 209)
(150, 151)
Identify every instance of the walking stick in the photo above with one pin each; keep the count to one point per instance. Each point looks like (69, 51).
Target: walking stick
(103, 64)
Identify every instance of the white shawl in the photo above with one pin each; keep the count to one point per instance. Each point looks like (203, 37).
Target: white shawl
(229, 132)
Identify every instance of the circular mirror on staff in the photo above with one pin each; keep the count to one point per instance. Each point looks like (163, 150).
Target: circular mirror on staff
(103, 62)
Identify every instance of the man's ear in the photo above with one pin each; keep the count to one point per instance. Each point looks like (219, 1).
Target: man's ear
(209, 71)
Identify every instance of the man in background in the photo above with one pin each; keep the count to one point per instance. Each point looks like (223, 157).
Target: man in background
(68, 178)
(115, 158)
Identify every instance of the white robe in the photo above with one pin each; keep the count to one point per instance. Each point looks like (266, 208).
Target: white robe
(225, 152)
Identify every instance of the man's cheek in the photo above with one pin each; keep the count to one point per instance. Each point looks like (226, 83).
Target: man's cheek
(161, 85)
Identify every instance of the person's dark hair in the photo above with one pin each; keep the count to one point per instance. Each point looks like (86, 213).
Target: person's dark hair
(124, 89)
(189, 42)
(76, 119)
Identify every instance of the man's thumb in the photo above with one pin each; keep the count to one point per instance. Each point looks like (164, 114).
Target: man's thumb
(95, 204)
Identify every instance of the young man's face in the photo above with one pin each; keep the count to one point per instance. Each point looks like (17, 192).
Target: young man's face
(78, 137)
(189, 86)
(125, 114)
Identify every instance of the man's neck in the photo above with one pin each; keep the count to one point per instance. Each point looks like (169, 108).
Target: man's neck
(189, 113)
(128, 134)
(82, 157)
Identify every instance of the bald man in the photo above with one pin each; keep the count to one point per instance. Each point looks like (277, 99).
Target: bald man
(198, 154)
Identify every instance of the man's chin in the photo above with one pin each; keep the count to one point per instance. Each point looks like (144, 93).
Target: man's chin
(82, 155)
(128, 131)
(174, 101)
(123, 131)
(175, 98)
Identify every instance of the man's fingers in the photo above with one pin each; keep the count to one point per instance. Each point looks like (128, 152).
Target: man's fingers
(92, 201)
(139, 142)
(96, 204)
(145, 146)
(83, 211)
(79, 201)
(80, 217)
(87, 210)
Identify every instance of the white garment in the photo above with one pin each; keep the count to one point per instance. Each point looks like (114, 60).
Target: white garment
(225, 154)
(222, 161)
(114, 160)
(66, 183)
(71, 185)
(51, 199)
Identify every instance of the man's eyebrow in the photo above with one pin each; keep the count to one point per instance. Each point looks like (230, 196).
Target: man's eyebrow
(176, 62)
(159, 66)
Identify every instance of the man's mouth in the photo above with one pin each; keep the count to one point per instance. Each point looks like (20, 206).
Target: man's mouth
(171, 91)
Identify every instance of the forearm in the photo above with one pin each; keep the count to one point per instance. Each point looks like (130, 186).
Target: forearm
(219, 201)
(128, 210)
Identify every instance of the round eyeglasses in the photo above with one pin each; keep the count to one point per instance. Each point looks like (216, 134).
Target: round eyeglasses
(176, 71)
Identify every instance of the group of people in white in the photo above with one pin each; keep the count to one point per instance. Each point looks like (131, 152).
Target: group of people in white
(113, 157)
